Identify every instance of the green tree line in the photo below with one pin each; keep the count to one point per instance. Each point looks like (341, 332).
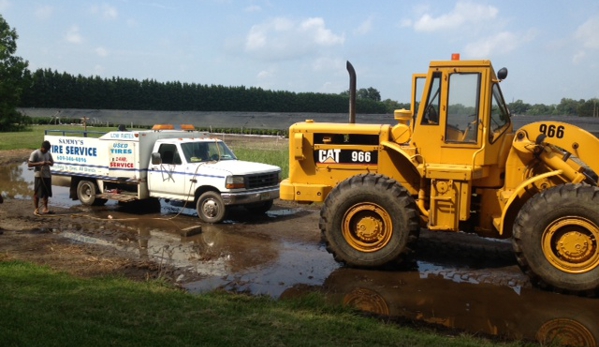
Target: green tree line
(51, 89)
(566, 107)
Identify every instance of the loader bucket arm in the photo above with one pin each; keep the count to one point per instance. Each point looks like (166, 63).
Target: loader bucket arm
(553, 143)
(570, 138)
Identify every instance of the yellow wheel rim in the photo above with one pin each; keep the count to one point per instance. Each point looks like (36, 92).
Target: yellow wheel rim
(565, 332)
(367, 227)
(570, 244)
(367, 300)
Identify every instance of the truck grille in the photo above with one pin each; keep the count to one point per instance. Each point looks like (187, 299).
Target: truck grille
(262, 180)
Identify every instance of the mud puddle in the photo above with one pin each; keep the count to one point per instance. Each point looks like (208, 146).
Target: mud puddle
(458, 281)
(476, 308)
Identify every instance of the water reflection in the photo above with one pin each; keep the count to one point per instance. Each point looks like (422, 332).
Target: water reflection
(494, 310)
(16, 181)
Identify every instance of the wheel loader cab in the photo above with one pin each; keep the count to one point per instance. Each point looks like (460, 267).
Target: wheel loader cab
(461, 112)
(462, 132)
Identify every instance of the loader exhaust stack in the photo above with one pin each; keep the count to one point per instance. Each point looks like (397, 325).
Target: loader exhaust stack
(352, 92)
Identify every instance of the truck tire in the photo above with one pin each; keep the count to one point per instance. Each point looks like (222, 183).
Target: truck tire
(210, 207)
(259, 207)
(556, 239)
(86, 193)
(369, 221)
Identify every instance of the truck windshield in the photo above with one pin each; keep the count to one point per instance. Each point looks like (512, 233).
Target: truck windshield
(196, 152)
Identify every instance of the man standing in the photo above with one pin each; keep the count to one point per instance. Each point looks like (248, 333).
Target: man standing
(41, 160)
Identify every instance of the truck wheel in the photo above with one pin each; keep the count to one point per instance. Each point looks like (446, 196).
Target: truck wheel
(556, 239)
(369, 221)
(259, 207)
(86, 193)
(210, 207)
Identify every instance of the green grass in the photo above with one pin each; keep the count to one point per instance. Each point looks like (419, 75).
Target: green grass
(274, 156)
(41, 307)
(33, 137)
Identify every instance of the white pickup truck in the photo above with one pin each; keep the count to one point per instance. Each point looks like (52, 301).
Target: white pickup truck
(184, 165)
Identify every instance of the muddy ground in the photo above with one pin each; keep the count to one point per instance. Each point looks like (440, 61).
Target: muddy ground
(458, 281)
(41, 239)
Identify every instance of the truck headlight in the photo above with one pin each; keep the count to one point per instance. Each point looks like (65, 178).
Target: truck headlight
(235, 182)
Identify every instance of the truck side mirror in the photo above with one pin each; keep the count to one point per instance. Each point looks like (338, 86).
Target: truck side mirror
(156, 160)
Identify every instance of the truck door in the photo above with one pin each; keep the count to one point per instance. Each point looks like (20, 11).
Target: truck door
(167, 179)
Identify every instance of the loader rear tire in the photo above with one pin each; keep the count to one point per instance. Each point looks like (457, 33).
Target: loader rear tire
(370, 221)
(556, 239)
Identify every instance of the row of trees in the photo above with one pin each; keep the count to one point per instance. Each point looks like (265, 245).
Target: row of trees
(47, 88)
(566, 107)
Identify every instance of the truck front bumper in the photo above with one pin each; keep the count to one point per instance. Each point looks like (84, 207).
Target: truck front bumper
(239, 198)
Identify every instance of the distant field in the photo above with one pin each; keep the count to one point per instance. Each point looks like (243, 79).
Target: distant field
(253, 120)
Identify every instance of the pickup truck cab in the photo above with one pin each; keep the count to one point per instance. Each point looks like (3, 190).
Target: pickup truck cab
(182, 165)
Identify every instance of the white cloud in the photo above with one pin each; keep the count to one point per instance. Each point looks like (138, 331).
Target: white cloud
(283, 38)
(253, 8)
(73, 35)
(587, 33)
(267, 79)
(44, 12)
(503, 42)
(365, 27)
(463, 13)
(264, 74)
(106, 11)
(101, 51)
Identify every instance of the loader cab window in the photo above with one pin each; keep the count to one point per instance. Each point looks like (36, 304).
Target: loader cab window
(417, 86)
(462, 110)
(433, 104)
(169, 154)
(500, 116)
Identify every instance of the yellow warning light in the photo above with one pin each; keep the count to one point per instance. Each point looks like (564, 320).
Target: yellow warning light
(163, 127)
(455, 56)
(188, 127)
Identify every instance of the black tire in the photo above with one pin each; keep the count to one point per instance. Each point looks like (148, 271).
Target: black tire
(259, 207)
(382, 210)
(86, 193)
(210, 207)
(556, 239)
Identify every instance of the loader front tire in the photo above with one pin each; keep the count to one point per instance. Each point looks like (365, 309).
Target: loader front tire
(556, 239)
(369, 221)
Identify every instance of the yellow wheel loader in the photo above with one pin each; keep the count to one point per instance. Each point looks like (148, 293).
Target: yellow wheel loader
(453, 162)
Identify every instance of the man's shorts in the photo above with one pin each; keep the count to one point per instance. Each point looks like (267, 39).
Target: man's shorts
(42, 187)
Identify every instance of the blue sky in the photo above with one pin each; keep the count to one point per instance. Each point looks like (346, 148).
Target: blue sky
(551, 48)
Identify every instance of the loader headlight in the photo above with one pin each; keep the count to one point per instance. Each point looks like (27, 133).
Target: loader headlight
(235, 182)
